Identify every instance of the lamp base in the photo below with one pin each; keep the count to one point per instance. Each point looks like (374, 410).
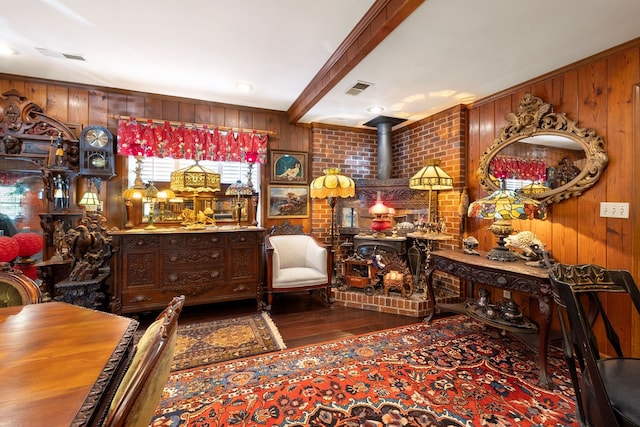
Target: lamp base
(502, 228)
(502, 254)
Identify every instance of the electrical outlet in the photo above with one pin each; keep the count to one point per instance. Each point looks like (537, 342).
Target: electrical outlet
(506, 294)
(614, 210)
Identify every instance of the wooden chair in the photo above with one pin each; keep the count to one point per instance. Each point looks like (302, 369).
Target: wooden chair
(139, 392)
(608, 388)
(18, 289)
(296, 262)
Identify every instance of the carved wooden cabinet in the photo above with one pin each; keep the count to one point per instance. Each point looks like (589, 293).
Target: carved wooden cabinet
(151, 267)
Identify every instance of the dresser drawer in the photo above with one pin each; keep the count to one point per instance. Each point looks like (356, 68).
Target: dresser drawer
(177, 257)
(243, 238)
(202, 276)
(139, 242)
(152, 298)
(195, 241)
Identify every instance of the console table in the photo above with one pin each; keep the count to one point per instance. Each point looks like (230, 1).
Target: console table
(512, 276)
(212, 265)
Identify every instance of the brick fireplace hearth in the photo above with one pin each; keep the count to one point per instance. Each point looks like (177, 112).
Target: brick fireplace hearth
(395, 303)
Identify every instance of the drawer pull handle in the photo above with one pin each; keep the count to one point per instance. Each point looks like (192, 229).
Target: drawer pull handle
(140, 298)
(240, 288)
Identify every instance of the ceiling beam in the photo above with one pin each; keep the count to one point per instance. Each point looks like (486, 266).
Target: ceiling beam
(379, 21)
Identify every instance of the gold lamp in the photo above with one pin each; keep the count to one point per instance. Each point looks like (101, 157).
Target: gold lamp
(502, 206)
(163, 197)
(195, 179)
(238, 189)
(134, 193)
(332, 185)
(431, 177)
(151, 196)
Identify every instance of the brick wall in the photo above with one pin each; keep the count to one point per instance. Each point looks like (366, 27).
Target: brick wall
(355, 152)
(442, 136)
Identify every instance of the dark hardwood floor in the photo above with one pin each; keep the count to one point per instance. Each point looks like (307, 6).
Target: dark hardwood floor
(302, 319)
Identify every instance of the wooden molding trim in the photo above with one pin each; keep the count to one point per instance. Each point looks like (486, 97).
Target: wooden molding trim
(635, 216)
(379, 21)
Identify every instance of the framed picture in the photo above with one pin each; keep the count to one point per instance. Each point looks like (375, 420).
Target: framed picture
(288, 167)
(288, 201)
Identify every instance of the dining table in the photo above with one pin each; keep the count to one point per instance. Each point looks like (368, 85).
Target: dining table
(60, 364)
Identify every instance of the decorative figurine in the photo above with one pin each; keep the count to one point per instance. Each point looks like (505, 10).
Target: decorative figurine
(470, 245)
(523, 241)
(58, 145)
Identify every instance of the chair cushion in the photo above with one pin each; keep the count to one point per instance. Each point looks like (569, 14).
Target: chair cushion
(297, 251)
(294, 277)
(621, 377)
(147, 401)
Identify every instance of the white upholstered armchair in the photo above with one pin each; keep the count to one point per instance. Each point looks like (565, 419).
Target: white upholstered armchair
(296, 262)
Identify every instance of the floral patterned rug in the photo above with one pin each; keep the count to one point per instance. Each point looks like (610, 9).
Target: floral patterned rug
(450, 372)
(217, 341)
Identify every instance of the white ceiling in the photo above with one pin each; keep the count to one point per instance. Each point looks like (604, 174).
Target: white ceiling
(447, 52)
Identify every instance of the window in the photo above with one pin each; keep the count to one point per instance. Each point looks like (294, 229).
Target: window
(11, 200)
(159, 170)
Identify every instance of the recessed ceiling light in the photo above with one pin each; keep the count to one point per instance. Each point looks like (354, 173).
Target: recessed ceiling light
(245, 87)
(6, 50)
(375, 109)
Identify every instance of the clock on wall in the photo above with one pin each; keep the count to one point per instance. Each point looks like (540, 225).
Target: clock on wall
(96, 152)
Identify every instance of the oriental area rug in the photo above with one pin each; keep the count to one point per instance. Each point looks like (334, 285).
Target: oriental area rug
(451, 372)
(220, 340)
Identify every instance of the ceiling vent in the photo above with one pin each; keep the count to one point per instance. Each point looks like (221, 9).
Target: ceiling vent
(56, 54)
(357, 88)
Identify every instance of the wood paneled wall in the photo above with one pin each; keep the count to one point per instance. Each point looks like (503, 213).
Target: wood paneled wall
(598, 93)
(84, 105)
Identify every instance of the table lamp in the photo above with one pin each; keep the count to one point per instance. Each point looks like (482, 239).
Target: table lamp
(238, 189)
(502, 206)
(431, 177)
(90, 201)
(150, 196)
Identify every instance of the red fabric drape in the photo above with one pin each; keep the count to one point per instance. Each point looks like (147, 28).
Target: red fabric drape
(517, 168)
(163, 140)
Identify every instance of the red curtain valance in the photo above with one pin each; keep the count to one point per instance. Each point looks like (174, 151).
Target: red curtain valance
(152, 139)
(517, 168)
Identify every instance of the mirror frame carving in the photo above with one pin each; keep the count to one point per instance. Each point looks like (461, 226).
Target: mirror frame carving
(535, 117)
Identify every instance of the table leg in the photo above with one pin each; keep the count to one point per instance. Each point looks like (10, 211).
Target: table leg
(428, 273)
(543, 340)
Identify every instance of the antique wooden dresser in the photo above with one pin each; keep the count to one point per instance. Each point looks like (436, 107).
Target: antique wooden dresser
(151, 267)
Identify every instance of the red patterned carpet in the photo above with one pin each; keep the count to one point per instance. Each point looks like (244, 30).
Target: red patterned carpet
(451, 372)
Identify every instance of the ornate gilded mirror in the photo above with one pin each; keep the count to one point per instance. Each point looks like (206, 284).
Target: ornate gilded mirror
(542, 154)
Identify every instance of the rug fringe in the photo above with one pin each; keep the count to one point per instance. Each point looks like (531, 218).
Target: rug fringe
(274, 330)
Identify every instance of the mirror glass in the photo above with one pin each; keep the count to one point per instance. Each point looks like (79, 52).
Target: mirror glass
(542, 154)
(21, 199)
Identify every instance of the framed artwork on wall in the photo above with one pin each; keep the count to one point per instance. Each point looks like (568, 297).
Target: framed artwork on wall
(289, 167)
(288, 201)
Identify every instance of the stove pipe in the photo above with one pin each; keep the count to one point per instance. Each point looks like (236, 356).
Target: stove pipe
(384, 125)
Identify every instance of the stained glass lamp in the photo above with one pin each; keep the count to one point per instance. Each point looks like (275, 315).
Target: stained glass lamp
(503, 206)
